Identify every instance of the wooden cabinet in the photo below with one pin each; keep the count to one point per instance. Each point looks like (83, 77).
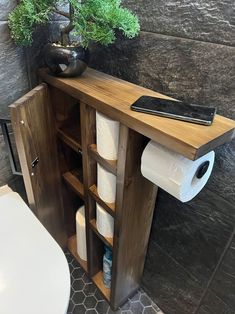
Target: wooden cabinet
(55, 131)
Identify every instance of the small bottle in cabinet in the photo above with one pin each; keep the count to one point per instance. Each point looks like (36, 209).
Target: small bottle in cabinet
(107, 267)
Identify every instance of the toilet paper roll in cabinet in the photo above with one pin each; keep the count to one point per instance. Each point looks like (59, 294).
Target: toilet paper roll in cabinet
(104, 222)
(106, 184)
(107, 136)
(81, 233)
(179, 176)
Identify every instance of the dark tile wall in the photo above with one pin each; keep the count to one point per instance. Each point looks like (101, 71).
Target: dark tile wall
(18, 75)
(209, 21)
(186, 49)
(225, 276)
(13, 81)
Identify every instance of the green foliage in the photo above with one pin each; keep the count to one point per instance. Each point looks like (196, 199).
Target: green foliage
(26, 16)
(97, 20)
(93, 20)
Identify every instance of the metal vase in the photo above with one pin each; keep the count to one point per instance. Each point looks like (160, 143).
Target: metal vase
(66, 61)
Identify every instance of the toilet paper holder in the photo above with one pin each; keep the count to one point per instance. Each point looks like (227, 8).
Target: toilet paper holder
(179, 176)
(202, 169)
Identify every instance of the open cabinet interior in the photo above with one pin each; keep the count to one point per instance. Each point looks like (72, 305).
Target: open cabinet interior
(78, 162)
(77, 152)
(66, 111)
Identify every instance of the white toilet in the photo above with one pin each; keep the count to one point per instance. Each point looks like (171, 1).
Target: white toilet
(34, 273)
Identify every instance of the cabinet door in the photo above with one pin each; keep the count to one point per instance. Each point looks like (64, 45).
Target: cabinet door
(35, 134)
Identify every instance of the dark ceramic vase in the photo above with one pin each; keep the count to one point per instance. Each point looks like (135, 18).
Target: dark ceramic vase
(66, 61)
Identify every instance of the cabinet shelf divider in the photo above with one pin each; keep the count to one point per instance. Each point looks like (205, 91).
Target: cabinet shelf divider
(70, 140)
(110, 165)
(109, 207)
(71, 178)
(98, 281)
(107, 241)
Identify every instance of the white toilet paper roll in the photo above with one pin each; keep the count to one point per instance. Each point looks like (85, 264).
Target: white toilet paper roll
(173, 172)
(81, 233)
(107, 136)
(106, 184)
(104, 222)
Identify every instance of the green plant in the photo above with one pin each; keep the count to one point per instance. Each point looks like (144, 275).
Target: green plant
(92, 20)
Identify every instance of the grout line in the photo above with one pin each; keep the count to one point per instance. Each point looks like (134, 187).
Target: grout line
(228, 306)
(225, 215)
(188, 38)
(215, 270)
(228, 274)
(221, 196)
(28, 69)
(163, 35)
(181, 266)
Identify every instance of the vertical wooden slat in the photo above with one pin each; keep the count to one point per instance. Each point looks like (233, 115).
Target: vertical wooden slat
(133, 217)
(88, 131)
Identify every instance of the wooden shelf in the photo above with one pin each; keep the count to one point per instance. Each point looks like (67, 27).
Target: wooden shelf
(71, 136)
(109, 207)
(110, 165)
(73, 179)
(98, 280)
(114, 96)
(72, 246)
(107, 241)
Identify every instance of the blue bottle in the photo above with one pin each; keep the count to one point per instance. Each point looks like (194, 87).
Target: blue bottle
(107, 267)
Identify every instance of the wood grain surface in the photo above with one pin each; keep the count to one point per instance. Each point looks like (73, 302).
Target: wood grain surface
(72, 246)
(113, 97)
(133, 217)
(35, 133)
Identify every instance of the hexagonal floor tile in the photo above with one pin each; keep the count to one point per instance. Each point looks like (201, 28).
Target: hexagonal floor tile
(78, 285)
(126, 306)
(149, 310)
(78, 297)
(102, 307)
(71, 306)
(77, 273)
(136, 307)
(89, 289)
(79, 309)
(98, 295)
(86, 299)
(90, 302)
(136, 297)
(145, 300)
(75, 263)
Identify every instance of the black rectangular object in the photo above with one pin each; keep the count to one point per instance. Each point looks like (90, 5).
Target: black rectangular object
(175, 109)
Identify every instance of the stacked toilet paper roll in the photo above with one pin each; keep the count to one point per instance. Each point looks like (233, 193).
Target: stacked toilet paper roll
(107, 136)
(104, 222)
(106, 184)
(179, 176)
(81, 233)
